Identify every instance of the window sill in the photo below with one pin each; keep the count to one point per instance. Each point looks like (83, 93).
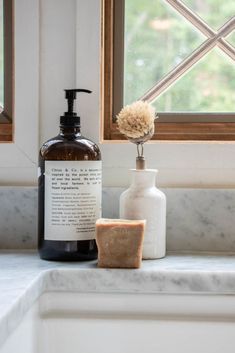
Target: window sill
(182, 131)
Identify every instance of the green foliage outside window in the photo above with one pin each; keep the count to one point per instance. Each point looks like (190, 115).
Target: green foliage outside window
(1, 53)
(157, 38)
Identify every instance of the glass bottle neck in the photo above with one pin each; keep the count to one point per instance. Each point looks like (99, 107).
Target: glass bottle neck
(70, 130)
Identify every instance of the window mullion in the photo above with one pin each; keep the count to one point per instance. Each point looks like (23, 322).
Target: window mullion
(186, 64)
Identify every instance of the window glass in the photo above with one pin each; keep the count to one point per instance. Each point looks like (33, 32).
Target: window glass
(1, 57)
(214, 12)
(231, 38)
(208, 87)
(157, 39)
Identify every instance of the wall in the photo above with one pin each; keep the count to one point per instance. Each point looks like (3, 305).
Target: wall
(196, 219)
(68, 47)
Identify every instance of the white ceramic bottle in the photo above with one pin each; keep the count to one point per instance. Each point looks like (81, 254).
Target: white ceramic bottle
(144, 201)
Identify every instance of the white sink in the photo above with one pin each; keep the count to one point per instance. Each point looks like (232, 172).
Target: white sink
(73, 322)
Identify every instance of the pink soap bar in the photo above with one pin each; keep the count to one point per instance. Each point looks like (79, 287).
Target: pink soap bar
(119, 242)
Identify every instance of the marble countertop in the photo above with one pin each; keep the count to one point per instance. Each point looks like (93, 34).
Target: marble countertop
(24, 277)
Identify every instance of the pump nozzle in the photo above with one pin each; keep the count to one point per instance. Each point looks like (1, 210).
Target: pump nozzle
(70, 118)
(71, 95)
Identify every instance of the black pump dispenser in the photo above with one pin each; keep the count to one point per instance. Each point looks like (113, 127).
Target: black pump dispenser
(69, 179)
(70, 118)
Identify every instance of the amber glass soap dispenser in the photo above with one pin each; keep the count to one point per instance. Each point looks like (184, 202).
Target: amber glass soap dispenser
(69, 191)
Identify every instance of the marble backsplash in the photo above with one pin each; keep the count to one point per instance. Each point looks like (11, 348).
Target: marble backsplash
(197, 219)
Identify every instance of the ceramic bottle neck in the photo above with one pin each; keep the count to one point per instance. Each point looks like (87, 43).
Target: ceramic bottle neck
(143, 178)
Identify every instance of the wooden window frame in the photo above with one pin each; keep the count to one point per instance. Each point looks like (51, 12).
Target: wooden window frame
(6, 116)
(198, 129)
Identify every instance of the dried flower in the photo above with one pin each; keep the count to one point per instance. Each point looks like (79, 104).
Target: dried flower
(136, 121)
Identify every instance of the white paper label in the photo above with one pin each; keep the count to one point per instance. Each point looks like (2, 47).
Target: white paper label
(72, 199)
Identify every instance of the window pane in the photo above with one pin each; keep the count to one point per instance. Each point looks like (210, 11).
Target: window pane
(208, 87)
(231, 38)
(157, 39)
(1, 55)
(214, 12)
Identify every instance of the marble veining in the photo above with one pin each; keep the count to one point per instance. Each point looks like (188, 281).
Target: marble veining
(24, 277)
(197, 219)
(18, 217)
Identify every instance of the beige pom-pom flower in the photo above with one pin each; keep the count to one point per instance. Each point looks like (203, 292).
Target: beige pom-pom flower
(136, 121)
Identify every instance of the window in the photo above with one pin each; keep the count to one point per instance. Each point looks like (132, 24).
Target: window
(180, 57)
(6, 70)
(1, 56)
(19, 153)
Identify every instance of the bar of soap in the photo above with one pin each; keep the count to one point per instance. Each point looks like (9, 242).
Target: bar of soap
(119, 242)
